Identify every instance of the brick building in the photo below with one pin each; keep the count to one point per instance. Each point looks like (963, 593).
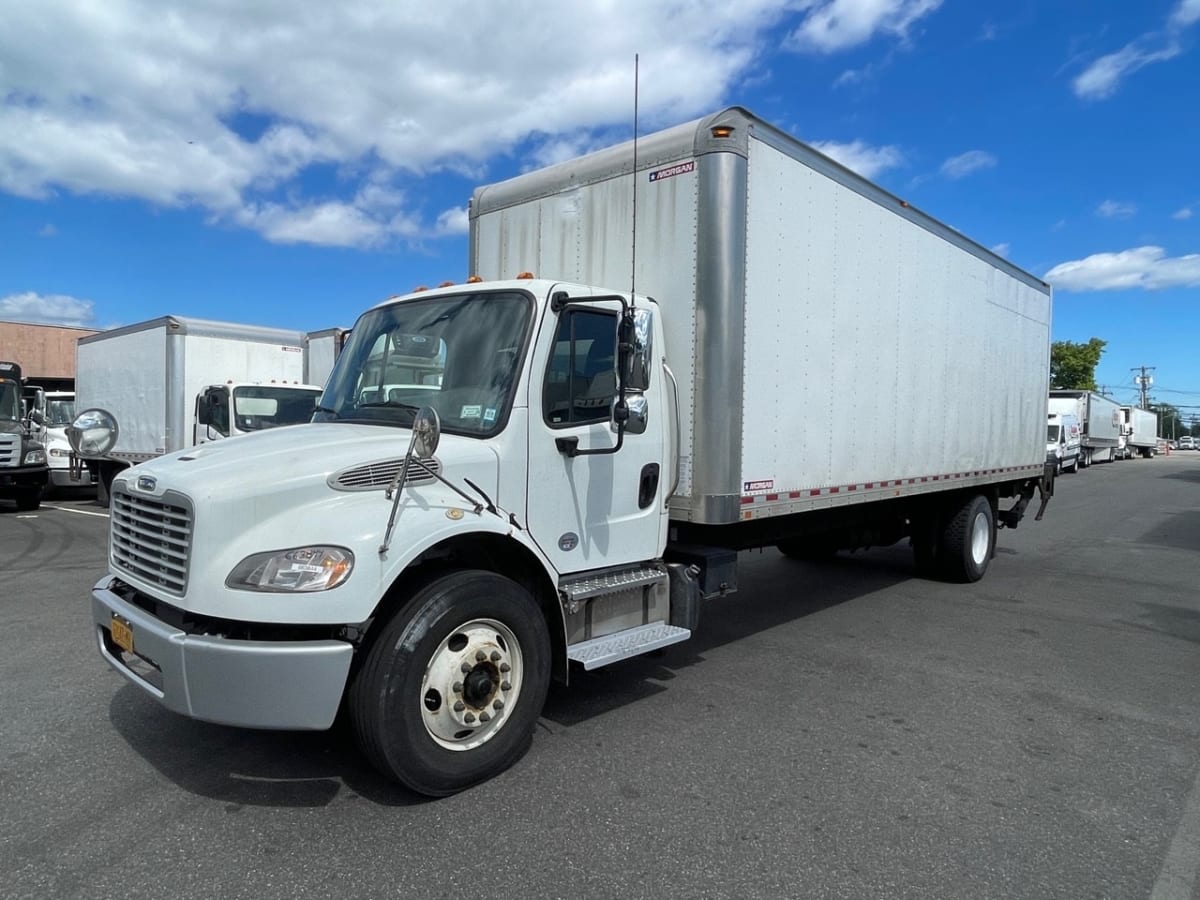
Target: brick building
(45, 353)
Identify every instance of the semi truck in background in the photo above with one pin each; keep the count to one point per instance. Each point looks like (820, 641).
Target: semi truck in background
(1140, 429)
(513, 477)
(1100, 423)
(173, 382)
(57, 409)
(23, 471)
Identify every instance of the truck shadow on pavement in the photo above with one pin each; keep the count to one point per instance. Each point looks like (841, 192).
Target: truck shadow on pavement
(243, 767)
(772, 591)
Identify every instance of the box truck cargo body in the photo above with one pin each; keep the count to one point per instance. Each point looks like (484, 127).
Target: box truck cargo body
(174, 382)
(1140, 427)
(514, 477)
(1100, 421)
(804, 309)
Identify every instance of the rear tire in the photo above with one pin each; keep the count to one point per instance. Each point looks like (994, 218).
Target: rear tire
(424, 721)
(968, 539)
(810, 549)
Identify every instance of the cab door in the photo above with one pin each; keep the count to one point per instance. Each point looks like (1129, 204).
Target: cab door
(597, 510)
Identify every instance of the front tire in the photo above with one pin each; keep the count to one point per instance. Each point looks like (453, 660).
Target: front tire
(29, 499)
(452, 687)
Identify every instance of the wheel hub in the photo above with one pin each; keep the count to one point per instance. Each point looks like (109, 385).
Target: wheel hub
(472, 676)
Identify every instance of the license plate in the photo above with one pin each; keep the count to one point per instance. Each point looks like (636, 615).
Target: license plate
(122, 634)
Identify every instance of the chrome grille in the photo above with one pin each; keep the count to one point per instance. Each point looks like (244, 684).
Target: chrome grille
(10, 450)
(379, 474)
(152, 538)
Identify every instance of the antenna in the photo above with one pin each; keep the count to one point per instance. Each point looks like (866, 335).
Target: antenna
(633, 252)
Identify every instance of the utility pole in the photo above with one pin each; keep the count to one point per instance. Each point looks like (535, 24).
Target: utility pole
(1144, 381)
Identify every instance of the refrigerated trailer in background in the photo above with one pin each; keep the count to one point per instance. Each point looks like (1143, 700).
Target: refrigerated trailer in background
(1100, 421)
(512, 477)
(1140, 429)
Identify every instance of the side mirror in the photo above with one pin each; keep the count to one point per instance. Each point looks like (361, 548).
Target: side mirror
(635, 415)
(427, 432)
(93, 433)
(37, 418)
(634, 340)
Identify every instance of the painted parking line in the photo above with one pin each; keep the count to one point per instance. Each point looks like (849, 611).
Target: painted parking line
(81, 512)
(1177, 879)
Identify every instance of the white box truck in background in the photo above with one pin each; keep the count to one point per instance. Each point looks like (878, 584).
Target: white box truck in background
(511, 477)
(1140, 428)
(57, 409)
(175, 382)
(1100, 419)
(321, 349)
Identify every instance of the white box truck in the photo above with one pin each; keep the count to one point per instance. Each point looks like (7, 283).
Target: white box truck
(174, 382)
(509, 478)
(321, 349)
(1140, 428)
(1100, 421)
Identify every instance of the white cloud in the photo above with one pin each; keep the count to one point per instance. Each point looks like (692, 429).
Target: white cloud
(225, 106)
(1184, 214)
(1102, 78)
(1002, 249)
(833, 25)
(49, 309)
(1111, 209)
(862, 158)
(966, 163)
(453, 221)
(1186, 13)
(1146, 268)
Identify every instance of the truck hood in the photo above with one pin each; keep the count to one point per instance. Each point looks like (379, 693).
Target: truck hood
(300, 458)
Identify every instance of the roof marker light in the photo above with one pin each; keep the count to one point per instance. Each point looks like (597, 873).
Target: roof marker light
(722, 131)
(446, 284)
(525, 275)
(474, 279)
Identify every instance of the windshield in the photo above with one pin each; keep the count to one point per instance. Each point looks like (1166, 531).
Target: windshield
(60, 412)
(1052, 434)
(459, 354)
(259, 406)
(10, 400)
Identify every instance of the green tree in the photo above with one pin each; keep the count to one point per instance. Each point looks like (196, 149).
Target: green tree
(1073, 365)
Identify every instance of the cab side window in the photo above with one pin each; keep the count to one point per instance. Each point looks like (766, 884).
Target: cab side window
(581, 377)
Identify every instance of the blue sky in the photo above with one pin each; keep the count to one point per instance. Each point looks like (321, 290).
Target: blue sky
(288, 162)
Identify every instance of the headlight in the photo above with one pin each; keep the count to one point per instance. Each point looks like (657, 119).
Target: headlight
(58, 453)
(298, 569)
(35, 457)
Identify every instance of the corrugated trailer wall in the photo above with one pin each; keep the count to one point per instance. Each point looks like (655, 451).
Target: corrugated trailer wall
(876, 350)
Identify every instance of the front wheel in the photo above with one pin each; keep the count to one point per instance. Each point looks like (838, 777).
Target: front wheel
(451, 689)
(29, 499)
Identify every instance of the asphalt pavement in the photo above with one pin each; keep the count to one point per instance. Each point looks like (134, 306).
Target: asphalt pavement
(842, 729)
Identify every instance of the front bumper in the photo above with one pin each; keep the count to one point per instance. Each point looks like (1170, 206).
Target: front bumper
(61, 478)
(23, 477)
(252, 684)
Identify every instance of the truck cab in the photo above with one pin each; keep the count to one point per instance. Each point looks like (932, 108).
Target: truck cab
(23, 472)
(57, 409)
(231, 409)
(1063, 441)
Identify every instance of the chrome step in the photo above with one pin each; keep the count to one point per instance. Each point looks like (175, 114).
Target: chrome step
(601, 584)
(613, 648)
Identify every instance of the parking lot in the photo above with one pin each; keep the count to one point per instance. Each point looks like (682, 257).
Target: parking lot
(834, 730)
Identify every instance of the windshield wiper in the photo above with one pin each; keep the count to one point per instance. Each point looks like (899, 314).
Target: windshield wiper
(393, 404)
(326, 409)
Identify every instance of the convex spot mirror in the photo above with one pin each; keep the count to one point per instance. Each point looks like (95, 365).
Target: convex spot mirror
(427, 431)
(93, 433)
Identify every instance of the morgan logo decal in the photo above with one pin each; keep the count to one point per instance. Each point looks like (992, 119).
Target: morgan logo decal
(749, 487)
(672, 171)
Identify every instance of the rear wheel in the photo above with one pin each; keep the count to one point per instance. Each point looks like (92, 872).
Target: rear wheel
(967, 540)
(453, 685)
(808, 549)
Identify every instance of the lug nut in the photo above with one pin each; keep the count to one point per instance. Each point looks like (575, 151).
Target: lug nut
(456, 687)
(459, 706)
(484, 717)
(504, 667)
(495, 656)
(499, 704)
(505, 686)
(465, 668)
(480, 656)
(469, 718)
